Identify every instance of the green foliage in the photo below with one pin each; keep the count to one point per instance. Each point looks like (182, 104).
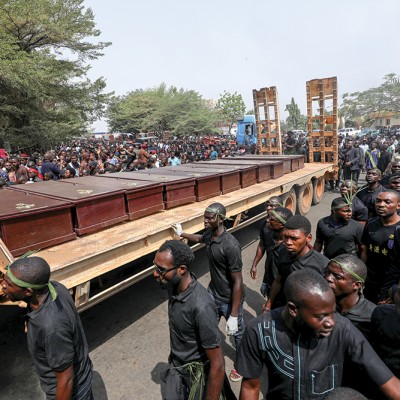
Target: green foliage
(385, 98)
(295, 120)
(160, 109)
(45, 96)
(231, 107)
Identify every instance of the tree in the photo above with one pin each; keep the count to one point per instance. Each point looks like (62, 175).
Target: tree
(45, 95)
(160, 109)
(385, 98)
(231, 107)
(295, 120)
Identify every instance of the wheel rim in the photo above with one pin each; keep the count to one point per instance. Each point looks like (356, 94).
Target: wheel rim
(319, 190)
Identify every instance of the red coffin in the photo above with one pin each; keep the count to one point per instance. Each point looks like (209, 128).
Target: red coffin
(141, 198)
(32, 222)
(229, 176)
(95, 208)
(177, 190)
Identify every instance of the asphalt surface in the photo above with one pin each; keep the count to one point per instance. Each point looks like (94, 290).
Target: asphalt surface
(128, 334)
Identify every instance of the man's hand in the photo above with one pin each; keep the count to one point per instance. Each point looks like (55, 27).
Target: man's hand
(253, 272)
(232, 325)
(177, 229)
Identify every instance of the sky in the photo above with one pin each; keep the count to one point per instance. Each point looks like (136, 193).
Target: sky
(212, 46)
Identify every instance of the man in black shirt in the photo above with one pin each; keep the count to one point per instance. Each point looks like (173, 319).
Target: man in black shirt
(368, 194)
(346, 276)
(266, 234)
(385, 324)
(394, 182)
(56, 340)
(394, 169)
(304, 346)
(352, 160)
(338, 233)
(294, 253)
(194, 334)
(225, 260)
(378, 254)
(348, 190)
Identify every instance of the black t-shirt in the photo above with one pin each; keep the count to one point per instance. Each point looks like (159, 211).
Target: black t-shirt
(368, 197)
(267, 236)
(385, 323)
(300, 366)
(224, 256)
(193, 324)
(360, 315)
(56, 339)
(383, 267)
(360, 211)
(339, 239)
(286, 264)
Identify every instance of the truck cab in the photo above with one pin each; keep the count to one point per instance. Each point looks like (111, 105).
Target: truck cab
(246, 133)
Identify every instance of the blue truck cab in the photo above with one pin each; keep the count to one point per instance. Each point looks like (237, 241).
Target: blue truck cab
(246, 132)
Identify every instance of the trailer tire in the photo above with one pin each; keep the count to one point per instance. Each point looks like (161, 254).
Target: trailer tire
(319, 188)
(305, 198)
(289, 200)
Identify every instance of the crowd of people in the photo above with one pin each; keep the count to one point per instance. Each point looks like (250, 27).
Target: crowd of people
(92, 156)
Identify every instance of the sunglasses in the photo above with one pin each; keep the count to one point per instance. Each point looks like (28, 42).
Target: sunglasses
(162, 271)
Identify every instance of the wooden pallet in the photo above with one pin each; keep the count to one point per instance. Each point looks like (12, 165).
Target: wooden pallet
(323, 124)
(266, 108)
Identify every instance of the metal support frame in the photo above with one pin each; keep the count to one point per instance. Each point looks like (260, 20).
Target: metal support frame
(268, 126)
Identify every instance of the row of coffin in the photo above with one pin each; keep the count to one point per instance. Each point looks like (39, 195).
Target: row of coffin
(44, 214)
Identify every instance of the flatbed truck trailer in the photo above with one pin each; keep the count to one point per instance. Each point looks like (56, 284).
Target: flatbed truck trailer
(78, 263)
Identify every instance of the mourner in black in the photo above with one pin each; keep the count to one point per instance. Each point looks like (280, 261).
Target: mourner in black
(293, 254)
(193, 323)
(304, 346)
(348, 190)
(385, 325)
(368, 194)
(338, 233)
(56, 340)
(379, 242)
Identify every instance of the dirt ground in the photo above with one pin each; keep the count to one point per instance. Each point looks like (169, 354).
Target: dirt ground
(128, 333)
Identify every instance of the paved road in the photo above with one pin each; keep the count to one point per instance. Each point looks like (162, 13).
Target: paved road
(127, 334)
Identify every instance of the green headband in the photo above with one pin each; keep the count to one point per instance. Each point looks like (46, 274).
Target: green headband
(347, 269)
(27, 285)
(218, 212)
(281, 219)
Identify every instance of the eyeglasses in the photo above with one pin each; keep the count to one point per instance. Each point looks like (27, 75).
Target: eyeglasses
(162, 270)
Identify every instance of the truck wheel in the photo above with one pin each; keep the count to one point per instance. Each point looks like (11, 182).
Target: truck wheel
(289, 200)
(305, 198)
(319, 188)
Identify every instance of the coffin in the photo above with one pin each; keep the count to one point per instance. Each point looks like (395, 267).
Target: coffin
(141, 198)
(95, 207)
(291, 162)
(208, 182)
(177, 190)
(32, 222)
(229, 175)
(248, 172)
(266, 169)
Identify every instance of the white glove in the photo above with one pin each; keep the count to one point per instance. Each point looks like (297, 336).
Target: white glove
(232, 325)
(177, 229)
